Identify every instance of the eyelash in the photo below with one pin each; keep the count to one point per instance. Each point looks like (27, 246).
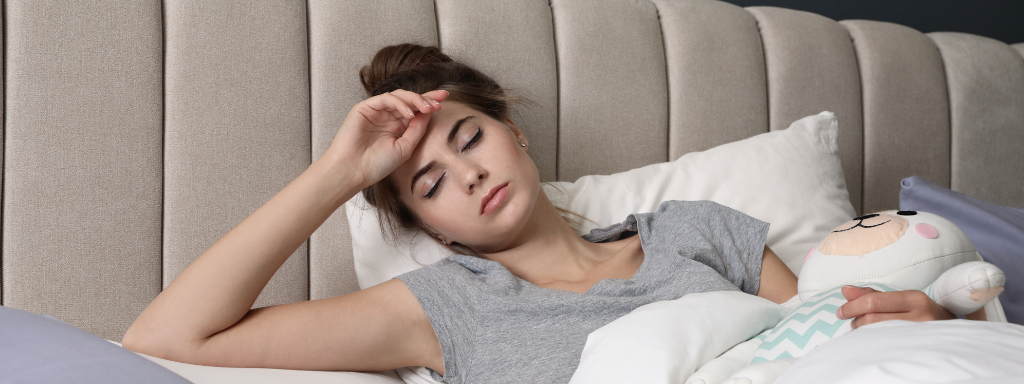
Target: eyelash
(474, 140)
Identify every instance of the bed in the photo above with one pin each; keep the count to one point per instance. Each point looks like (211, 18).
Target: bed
(137, 133)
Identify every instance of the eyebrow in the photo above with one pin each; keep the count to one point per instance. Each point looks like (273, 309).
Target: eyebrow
(429, 166)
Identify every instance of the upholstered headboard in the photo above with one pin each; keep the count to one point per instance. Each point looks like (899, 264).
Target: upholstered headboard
(137, 133)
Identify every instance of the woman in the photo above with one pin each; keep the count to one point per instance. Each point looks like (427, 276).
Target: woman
(434, 149)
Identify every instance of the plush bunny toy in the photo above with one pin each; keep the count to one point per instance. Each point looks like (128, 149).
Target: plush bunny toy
(887, 251)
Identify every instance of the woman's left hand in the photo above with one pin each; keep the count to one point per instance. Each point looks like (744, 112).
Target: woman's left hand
(867, 306)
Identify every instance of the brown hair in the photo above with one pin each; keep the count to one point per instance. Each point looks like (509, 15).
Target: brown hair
(420, 69)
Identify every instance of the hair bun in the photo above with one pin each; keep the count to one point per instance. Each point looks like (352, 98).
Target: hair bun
(395, 59)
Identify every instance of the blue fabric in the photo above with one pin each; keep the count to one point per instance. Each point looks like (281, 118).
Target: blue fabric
(39, 349)
(997, 232)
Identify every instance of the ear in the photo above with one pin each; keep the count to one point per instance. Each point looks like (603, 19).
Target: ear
(520, 137)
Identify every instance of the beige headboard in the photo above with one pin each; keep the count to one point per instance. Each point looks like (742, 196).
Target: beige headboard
(136, 133)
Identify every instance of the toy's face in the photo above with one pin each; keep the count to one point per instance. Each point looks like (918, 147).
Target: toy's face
(901, 249)
(866, 233)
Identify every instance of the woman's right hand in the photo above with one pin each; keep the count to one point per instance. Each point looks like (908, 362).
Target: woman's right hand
(380, 133)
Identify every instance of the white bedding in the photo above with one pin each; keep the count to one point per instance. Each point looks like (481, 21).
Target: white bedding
(667, 342)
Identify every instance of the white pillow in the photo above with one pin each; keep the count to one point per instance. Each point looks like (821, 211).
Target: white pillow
(791, 179)
(666, 341)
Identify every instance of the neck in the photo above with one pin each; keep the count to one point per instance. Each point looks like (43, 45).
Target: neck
(550, 250)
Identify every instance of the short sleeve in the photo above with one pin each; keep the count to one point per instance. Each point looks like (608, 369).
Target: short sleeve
(444, 290)
(729, 241)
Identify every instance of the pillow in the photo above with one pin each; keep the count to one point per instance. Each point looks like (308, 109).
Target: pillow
(997, 232)
(38, 349)
(791, 179)
(666, 341)
(201, 374)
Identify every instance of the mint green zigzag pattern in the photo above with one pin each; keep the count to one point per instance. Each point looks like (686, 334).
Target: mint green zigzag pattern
(784, 330)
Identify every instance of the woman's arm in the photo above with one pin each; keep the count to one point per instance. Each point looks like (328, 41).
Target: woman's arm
(204, 315)
(778, 283)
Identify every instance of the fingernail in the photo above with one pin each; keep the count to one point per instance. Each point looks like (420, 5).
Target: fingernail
(839, 313)
(426, 103)
(435, 102)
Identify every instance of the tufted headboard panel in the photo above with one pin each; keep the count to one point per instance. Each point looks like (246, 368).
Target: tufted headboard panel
(137, 133)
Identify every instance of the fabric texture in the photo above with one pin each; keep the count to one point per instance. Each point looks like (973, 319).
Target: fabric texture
(202, 374)
(791, 178)
(997, 232)
(665, 342)
(40, 350)
(496, 328)
(897, 351)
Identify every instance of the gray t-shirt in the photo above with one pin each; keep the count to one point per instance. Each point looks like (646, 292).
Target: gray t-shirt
(497, 328)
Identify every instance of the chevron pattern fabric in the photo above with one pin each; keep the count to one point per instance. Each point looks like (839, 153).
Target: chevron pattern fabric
(809, 325)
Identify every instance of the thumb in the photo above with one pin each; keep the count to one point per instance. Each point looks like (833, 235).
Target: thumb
(412, 135)
(852, 292)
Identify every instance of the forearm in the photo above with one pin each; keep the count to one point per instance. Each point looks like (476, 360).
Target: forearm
(219, 287)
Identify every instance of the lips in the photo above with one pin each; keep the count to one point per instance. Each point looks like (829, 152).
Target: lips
(493, 198)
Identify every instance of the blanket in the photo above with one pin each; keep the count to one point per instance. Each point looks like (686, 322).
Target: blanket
(706, 338)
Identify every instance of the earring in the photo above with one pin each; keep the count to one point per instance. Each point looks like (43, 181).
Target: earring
(522, 144)
(445, 242)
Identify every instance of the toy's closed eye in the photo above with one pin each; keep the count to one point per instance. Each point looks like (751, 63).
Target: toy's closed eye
(926, 231)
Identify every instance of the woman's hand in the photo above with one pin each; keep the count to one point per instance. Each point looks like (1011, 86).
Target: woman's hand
(380, 133)
(867, 305)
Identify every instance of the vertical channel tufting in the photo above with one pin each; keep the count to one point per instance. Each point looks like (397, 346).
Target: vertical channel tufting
(716, 78)
(985, 78)
(613, 95)
(812, 67)
(344, 36)
(3, 67)
(513, 43)
(1019, 47)
(82, 177)
(237, 125)
(906, 110)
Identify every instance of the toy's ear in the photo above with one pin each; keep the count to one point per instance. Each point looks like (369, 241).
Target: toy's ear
(926, 231)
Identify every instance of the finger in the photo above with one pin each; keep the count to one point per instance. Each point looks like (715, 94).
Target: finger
(412, 135)
(876, 318)
(852, 292)
(882, 302)
(388, 102)
(437, 95)
(414, 100)
(399, 115)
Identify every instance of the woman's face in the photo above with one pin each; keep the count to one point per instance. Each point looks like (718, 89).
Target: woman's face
(455, 177)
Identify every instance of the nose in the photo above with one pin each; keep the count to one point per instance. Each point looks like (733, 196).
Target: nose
(472, 176)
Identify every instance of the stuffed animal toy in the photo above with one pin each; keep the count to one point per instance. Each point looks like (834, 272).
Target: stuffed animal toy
(887, 251)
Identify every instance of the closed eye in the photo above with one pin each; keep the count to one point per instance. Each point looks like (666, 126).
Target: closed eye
(437, 184)
(479, 134)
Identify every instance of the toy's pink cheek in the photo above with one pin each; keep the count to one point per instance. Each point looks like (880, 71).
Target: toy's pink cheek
(809, 254)
(926, 231)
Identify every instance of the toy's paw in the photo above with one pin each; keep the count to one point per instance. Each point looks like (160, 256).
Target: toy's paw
(987, 283)
(760, 373)
(966, 288)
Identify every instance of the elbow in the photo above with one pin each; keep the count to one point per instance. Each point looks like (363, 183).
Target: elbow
(142, 342)
(152, 343)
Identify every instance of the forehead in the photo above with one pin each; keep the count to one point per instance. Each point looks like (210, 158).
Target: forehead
(433, 141)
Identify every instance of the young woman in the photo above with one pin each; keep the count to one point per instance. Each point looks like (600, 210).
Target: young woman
(433, 148)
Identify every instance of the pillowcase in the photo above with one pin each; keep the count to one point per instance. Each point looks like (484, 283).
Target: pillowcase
(997, 232)
(201, 374)
(791, 179)
(667, 341)
(38, 349)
